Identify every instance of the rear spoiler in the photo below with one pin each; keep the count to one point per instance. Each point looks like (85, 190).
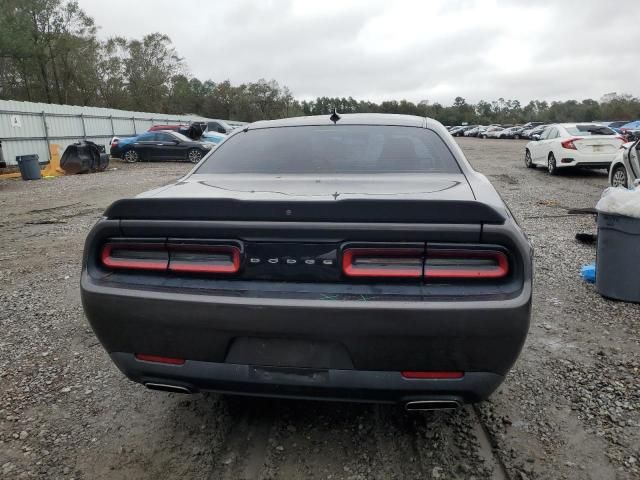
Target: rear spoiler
(348, 210)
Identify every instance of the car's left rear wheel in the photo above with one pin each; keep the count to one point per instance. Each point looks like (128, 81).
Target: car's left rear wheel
(131, 156)
(194, 155)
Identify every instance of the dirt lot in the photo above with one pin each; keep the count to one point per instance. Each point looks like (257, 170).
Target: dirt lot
(569, 409)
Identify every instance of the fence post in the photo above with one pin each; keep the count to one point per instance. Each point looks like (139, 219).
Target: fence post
(113, 132)
(46, 134)
(135, 132)
(84, 127)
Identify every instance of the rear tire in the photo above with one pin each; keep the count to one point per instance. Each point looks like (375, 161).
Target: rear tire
(619, 177)
(528, 161)
(552, 166)
(516, 137)
(131, 156)
(194, 155)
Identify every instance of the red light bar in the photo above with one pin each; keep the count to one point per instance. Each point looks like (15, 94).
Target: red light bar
(204, 259)
(143, 357)
(126, 260)
(383, 262)
(433, 375)
(454, 263)
(181, 258)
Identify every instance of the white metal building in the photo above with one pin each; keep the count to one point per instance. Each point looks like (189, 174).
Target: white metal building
(29, 128)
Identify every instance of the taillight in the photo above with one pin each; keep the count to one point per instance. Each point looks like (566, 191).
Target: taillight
(135, 256)
(437, 262)
(204, 259)
(383, 262)
(568, 144)
(465, 264)
(180, 258)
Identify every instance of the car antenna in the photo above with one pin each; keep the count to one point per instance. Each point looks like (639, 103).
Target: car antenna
(334, 116)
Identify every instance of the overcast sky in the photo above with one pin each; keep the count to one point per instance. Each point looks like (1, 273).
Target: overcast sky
(394, 49)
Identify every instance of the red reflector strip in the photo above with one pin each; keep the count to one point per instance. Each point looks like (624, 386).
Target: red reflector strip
(204, 259)
(460, 264)
(158, 359)
(433, 375)
(111, 261)
(382, 262)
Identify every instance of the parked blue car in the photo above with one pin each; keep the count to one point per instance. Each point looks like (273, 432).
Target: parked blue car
(213, 137)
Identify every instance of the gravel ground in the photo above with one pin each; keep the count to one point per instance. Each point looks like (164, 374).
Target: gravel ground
(569, 409)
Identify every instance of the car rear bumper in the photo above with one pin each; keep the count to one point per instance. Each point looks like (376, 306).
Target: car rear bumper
(305, 383)
(221, 337)
(586, 160)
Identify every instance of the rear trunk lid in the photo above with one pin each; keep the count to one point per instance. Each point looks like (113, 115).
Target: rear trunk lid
(604, 144)
(442, 186)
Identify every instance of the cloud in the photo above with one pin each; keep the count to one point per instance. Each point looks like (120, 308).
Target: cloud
(380, 50)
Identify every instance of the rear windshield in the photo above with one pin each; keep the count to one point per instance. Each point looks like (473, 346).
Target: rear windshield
(332, 149)
(586, 130)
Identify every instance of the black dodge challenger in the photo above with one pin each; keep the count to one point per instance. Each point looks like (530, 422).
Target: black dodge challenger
(355, 257)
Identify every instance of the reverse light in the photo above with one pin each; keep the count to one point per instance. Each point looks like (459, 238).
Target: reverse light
(383, 262)
(568, 144)
(135, 256)
(143, 357)
(465, 264)
(432, 375)
(204, 258)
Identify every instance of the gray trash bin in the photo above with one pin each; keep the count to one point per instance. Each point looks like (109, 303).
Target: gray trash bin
(618, 257)
(29, 167)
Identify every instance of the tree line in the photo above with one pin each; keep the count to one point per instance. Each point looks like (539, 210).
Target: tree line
(49, 52)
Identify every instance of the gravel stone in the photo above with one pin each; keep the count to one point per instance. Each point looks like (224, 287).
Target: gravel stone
(568, 409)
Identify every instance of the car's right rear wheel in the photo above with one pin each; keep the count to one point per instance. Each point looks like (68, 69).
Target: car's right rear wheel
(552, 166)
(619, 177)
(528, 161)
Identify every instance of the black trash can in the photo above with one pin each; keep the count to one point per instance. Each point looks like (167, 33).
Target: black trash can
(3, 164)
(29, 167)
(618, 257)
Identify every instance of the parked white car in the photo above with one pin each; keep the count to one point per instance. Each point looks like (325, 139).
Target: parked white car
(625, 169)
(491, 132)
(565, 145)
(495, 133)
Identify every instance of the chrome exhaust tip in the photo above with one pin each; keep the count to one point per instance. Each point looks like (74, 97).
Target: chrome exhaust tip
(167, 388)
(427, 405)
